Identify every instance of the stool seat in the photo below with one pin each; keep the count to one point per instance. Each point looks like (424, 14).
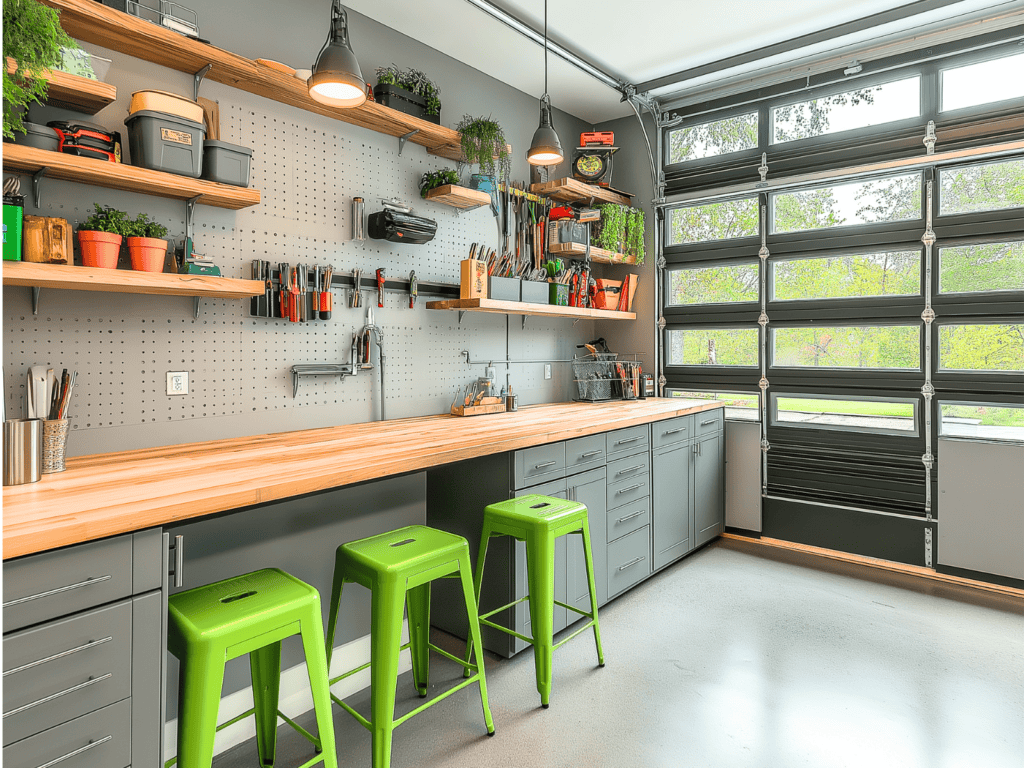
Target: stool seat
(535, 510)
(405, 552)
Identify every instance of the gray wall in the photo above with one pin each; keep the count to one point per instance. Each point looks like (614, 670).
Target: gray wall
(307, 167)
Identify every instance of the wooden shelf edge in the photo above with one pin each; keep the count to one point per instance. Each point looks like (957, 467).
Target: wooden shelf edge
(572, 191)
(599, 255)
(128, 178)
(459, 197)
(70, 278)
(81, 93)
(531, 310)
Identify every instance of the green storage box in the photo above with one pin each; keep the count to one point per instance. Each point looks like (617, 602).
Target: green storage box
(558, 294)
(14, 216)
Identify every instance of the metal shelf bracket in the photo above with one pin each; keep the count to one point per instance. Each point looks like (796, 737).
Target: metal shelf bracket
(403, 139)
(197, 302)
(36, 178)
(36, 290)
(190, 214)
(462, 314)
(197, 80)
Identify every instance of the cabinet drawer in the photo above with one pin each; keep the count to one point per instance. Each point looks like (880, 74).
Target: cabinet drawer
(629, 467)
(629, 560)
(62, 670)
(584, 453)
(628, 518)
(708, 422)
(629, 490)
(536, 465)
(629, 439)
(41, 587)
(100, 739)
(671, 431)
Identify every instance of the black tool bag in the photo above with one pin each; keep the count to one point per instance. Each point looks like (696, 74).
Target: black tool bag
(401, 227)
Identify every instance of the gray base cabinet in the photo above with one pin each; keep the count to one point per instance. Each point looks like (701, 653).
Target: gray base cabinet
(84, 639)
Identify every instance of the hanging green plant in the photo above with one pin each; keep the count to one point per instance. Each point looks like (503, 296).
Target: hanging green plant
(635, 234)
(33, 37)
(621, 230)
(434, 179)
(484, 144)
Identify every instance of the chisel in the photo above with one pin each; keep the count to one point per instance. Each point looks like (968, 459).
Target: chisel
(380, 287)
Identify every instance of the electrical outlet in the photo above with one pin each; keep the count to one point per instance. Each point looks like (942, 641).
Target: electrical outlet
(177, 382)
(547, 371)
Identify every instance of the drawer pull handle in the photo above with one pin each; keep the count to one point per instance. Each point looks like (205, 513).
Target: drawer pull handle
(61, 655)
(629, 440)
(629, 470)
(51, 697)
(588, 454)
(631, 488)
(77, 752)
(631, 563)
(57, 591)
(545, 464)
(630, 517)
(674, 431)
(709, 421)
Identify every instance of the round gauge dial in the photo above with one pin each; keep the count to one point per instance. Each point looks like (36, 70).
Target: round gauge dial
(590, 166)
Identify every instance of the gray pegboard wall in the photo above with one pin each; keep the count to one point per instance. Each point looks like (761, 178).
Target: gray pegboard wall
(307, 168)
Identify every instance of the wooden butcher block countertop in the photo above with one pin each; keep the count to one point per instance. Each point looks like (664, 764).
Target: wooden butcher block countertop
(114, 493)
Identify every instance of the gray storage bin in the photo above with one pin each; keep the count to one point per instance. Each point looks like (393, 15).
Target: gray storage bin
(163, 142)
(535, 292)
(504, 288)
(38, 136)
(226, 163)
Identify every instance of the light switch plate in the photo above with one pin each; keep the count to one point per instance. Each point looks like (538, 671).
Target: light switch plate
(177, 382)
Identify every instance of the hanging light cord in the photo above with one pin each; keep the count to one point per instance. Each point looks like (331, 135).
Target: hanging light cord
(335, 13)
(545, 47)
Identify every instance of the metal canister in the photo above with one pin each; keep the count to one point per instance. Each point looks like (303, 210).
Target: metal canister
(23, 451)
(358, 229)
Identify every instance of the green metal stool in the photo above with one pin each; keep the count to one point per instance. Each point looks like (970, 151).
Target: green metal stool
(248, 614)
(397, 567)
(539, 520)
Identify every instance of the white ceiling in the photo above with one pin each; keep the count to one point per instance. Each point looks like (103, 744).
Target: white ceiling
(633, 40)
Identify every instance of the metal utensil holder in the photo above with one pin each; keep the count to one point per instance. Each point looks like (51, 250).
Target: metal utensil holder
(597, 378)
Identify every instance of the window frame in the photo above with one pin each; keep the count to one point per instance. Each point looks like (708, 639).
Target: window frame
(705, 244)
(717, 308)
(976, 57)
(977, 438)
(992, 295)
(838, 301)
(775, 422)
(962, 374)
(740, 154)
(888, 373)
(733, 391)
(1014, 212)
(712, 327)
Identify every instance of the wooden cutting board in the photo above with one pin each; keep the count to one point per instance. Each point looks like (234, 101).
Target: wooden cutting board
(211, 115)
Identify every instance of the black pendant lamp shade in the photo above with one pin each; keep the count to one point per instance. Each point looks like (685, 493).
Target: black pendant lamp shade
(545, 149)
(336, 79)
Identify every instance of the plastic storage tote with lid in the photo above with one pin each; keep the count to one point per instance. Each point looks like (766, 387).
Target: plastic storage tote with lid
(38, 136)
(226, 163)
(162, 101)
(163, 142)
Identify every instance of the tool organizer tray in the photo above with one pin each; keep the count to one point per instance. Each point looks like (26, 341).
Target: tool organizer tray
(477, 410)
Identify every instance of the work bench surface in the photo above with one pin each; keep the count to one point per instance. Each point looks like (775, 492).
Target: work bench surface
(113, 493)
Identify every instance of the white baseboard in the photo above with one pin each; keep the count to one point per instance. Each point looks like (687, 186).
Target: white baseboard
(295, 697)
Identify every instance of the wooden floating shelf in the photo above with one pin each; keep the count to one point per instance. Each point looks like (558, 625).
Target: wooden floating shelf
(459, 197)
(531, 310)
(598, 255)
(128, 178)
(70, 278)
(569, 190)
(96, 23)
(81, 94)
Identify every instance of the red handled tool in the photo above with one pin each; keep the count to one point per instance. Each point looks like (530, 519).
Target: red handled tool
(380, 287)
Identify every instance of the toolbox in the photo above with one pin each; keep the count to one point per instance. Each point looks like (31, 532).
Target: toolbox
(163, 142)
(87, 140)
(400, 227)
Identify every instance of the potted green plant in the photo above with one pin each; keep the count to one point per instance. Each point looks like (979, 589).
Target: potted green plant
(146, 245)
(484, 144)
(34, 38)
(621, 230)
(434, 179)
(409, 91)
(100, 237)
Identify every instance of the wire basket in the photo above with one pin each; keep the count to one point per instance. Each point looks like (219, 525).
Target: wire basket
(167, 14)
(604, 377)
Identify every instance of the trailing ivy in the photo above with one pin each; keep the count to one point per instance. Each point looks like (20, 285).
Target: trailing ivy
(635, 234)
(484, 144)
(621, 230)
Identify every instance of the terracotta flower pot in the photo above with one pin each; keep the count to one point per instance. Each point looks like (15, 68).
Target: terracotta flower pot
(147, 253)
(99, 249)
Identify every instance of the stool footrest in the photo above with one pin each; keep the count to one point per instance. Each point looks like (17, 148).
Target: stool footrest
(461, 662)
(436, 700)
(359, 718)
(579, 631)
(504, 607)
(574, 609)
(507, 631)
(360, 668)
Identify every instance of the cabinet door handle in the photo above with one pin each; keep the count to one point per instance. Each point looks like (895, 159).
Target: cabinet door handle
(630, 517)
(696, 449)
(629, 470)
(631, 563)
(77, 752)
(179, 560)
(52, 696)
(544, 464)
(61, 655)
(631, 488)
(57, 591)
(709, 421)
(629, 440)
(588, 454)
(673, 431)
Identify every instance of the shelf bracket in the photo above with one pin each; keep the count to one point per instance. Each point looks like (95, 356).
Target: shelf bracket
(197, 302)
(36, 178)
(197, 80)
(524, 322)
(403, 139)
(190, 212)
(461, 315)
(35, 299)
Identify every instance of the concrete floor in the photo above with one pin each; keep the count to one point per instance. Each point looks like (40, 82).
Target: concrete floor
(738, 656)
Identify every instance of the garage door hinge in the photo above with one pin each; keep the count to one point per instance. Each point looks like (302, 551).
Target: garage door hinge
(928, 547)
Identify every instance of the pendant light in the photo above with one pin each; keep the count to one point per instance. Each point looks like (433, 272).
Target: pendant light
(336, 79)
(545, 149)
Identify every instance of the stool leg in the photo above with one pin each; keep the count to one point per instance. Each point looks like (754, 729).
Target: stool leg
(265, 667)
(588, 557)
(474, 637)
(478, 580)
(332, 616)
(201, 679)
(540, 565)
(311, 631)
(418, 601)
(386, 608)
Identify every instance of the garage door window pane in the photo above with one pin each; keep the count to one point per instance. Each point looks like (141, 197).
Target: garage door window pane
(892, 273)
(738, 406)
(893, 198)
(983, 420)
(713, 285)
(866, 346)
(982, 347)
(733, 134)
(713, 346)
(986, 187)
(715, 221)
(984, 82)
(858, 415)
(872, 105)
(980, 268)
